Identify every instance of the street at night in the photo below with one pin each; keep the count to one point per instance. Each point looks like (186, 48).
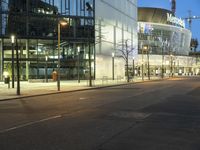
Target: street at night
(156, 115)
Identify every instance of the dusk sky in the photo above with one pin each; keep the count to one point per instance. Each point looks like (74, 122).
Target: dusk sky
(182, 8)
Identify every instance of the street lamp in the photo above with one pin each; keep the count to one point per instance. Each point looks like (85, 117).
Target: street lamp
(13, 71)
(162, 73)
(60, 23)
(148, 64)
(18, 74)
(90, 9)
(133, 67)
(145, 48)
(171, 65)
(113, 67)
(46, 67)
(78, 48)
(174, 67)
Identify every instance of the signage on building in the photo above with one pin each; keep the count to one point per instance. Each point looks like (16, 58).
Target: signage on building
(175, 20)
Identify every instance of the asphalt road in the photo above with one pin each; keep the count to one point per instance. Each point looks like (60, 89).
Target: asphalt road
(162, 115)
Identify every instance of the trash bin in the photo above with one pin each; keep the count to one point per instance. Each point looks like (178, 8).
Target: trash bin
(7, 80)
(54, 76)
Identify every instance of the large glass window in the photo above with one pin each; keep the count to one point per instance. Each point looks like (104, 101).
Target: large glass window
(35, 24)
(164, 39)
(39, 18)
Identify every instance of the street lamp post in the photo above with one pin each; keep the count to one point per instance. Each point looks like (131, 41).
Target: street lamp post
(63, 23)
(90, 65)
(171, 65)
(46, 68)
(90, 9)
(58, 71)
(78, 48)
(162, 73)
(13, 71)
(148, 64)
(133, 67)
(142, 66)
(18, 74)
(113, 66)
(174, 68)
(145, 48)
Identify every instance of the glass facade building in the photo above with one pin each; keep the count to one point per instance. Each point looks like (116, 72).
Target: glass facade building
(163, 36)
(163, 44)
(95, 27)
(34, 23)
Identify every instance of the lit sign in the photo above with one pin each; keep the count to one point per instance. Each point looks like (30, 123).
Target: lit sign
(175, 20)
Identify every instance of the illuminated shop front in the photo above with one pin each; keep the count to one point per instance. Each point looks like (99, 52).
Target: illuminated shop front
(167, 41)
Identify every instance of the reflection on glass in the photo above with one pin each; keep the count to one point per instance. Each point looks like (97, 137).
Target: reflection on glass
(171, 38)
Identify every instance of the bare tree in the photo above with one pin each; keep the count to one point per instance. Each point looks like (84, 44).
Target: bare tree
(101, 36)
(126, 52)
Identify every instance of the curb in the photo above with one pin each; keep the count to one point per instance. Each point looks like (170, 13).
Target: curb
(79, 90)
(60, 92)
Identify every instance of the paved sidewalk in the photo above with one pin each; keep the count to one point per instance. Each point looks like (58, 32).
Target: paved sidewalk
(40, 88)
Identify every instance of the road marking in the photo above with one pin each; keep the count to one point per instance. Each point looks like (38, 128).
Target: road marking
(30, 123)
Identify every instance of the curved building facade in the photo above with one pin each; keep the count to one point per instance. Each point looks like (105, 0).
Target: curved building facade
(170, 39)
(163, 44)
(157, 30)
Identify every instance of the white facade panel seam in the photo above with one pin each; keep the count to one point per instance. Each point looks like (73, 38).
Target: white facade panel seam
(132, 3)
(121, 12)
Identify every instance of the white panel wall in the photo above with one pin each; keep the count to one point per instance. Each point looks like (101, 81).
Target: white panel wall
(116, 21)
